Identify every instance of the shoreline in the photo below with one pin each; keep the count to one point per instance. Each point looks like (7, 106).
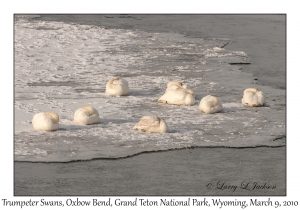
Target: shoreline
(283, 139)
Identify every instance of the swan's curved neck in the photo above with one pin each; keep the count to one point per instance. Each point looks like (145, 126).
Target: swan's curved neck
(110, 82)
(174, 83)
(163, 126)
(189, 100)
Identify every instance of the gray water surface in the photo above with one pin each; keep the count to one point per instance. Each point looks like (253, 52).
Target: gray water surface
(179, 172)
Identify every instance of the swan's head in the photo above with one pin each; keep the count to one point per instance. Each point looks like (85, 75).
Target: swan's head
(163, 125)
(210, 104)
(213, 100)
(184, 86)
(210, 100)
(89, 110)
(174, 83)
(186, 90)
(53, 116)
(189, 91)
(116, 78)
(189, 100)
(180, 84)
(251, 89)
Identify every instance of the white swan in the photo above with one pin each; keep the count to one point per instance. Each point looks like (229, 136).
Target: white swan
(178, 96)
(253, 97)
(117, 87)
(151, 124)
(210, 104)
(45, 121)
(173, 85)
(86, 115)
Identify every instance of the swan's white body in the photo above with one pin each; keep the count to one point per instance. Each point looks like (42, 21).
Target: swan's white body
(253, 98)
(45, 121)
(152, 125)
(86, 115)
(178, 96)
(117, 87)
(210, 104)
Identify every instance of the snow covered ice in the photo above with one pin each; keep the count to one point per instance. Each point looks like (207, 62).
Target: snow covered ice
(60, 67)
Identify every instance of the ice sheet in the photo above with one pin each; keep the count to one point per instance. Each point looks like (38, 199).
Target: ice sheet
(60, 67)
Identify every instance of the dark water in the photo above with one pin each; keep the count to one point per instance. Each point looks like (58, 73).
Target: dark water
(187, 171)
(178, 172)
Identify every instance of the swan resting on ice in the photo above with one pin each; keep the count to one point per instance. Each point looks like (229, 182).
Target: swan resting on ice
(210, 104)
(45, 121)
(253, 97)
(178, 94)
(174, 85)
(86, 115)
(151, 124)
(117, 87)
